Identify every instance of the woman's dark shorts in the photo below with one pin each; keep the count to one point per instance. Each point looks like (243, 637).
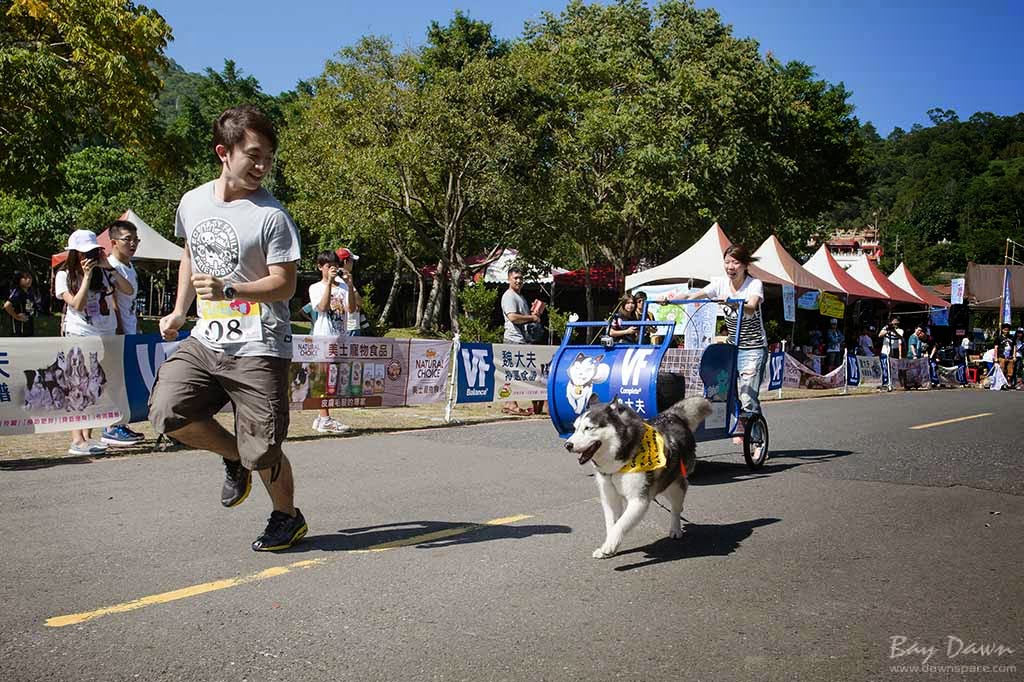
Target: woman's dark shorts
(195, 383)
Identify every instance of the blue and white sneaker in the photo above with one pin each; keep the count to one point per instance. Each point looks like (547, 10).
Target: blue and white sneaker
(118, 435)
(87, 448)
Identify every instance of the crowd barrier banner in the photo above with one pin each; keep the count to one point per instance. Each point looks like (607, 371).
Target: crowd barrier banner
(56, 384)
(360, 371)
(61, 383)
(776, 370)
(143, 355)
(492, 372)
(951, 376)
(863, 370)
(798, 375)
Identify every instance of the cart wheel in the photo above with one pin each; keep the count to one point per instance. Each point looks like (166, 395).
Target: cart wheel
(755, 441)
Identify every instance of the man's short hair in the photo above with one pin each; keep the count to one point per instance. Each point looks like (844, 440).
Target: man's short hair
(514, 270)
(327, 258)
(120, 228)
(229, 128)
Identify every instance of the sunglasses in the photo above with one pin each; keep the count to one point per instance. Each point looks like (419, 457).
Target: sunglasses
(128, 240)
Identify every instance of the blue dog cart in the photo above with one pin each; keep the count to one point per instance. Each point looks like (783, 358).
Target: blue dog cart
(650, 378)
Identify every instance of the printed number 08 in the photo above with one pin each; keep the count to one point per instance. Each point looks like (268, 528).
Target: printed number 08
(215, 330)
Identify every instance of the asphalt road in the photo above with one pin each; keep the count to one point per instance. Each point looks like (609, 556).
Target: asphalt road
(858, 532)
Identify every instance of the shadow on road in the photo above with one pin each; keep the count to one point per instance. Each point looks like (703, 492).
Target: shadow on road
(699, 539)
(419, 534)
(715, 471)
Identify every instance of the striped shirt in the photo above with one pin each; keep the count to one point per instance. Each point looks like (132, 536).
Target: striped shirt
(752, 329)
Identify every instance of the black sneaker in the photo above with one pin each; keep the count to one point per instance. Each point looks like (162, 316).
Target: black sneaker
(282, 532)
(237, 484)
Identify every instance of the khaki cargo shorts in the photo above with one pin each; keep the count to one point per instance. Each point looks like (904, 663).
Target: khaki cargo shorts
(195, 383)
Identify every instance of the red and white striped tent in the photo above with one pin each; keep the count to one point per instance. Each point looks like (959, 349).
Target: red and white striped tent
(825, 266)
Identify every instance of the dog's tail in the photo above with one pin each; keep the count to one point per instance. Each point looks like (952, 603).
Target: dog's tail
(692, 411)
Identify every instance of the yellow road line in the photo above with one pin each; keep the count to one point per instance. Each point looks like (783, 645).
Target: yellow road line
(950, 421)
(195, 590)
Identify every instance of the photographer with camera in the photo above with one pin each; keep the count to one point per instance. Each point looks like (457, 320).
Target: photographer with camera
(892, 338)
(86, 284)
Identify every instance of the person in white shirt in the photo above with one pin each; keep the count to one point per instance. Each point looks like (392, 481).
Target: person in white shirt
(753, 341)
(86, 284)
(124, 237)
(332, 300)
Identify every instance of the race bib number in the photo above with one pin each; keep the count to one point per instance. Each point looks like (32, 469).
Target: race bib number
(229, 321)
(649, 456)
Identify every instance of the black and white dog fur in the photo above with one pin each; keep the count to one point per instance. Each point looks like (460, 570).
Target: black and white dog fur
(609, 436)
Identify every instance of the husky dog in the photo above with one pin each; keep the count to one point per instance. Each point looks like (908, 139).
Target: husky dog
(615, 438)
(584, 372)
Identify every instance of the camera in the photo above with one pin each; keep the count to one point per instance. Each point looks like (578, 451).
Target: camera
(95, 254)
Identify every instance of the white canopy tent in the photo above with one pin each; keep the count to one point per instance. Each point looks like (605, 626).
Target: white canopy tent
(152, 245)
(701, 261)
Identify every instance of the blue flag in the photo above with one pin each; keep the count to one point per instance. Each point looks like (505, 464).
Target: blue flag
(1006, 296)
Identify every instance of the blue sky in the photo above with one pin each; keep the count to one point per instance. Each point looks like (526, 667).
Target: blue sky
(899, 58)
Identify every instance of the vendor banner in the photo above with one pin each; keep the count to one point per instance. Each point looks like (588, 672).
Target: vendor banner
(521, 372)
(429, 364)
(863, 370)
(951, 376)
(808, 301)
(829, 305)
(496, 372)
(956, 290)
(938, 316)
(798, 375)
(359, 371)
(789, 302)
(776, 370)
(61, 383)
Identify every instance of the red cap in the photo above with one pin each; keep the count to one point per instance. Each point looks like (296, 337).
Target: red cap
(344, 253)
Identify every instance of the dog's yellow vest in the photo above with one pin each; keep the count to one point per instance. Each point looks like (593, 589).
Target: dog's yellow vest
(650, 455)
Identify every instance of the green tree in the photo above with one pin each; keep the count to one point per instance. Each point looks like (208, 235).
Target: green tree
(74, 70)
(663, 121)
(432, 152)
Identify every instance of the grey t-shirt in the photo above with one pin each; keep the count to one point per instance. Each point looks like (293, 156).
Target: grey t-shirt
(511, 302)
(237, 241)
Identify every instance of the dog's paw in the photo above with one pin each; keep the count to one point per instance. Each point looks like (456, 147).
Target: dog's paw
(675, 534)
(604, 551)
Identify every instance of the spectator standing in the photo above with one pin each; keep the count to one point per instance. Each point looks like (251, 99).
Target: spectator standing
(240, 260)
(866, 344)
(918, 345)
(86, 285)
(124, 238)
(22, 304)
(1005, 352)
(518, 313)
(331, 299)
(356, 320)
(892, 338)
(1018, 359)
(834, 345)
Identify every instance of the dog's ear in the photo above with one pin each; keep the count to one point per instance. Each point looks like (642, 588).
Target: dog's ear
(579, 356)
(598, 358)
(30, 376)
(592, 400)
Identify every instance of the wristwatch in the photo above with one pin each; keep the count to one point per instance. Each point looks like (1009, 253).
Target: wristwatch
(229, 292)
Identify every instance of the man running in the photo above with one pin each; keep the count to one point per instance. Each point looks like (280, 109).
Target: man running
(240, 260)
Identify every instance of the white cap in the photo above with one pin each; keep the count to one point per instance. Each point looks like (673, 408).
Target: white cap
(82, 240)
